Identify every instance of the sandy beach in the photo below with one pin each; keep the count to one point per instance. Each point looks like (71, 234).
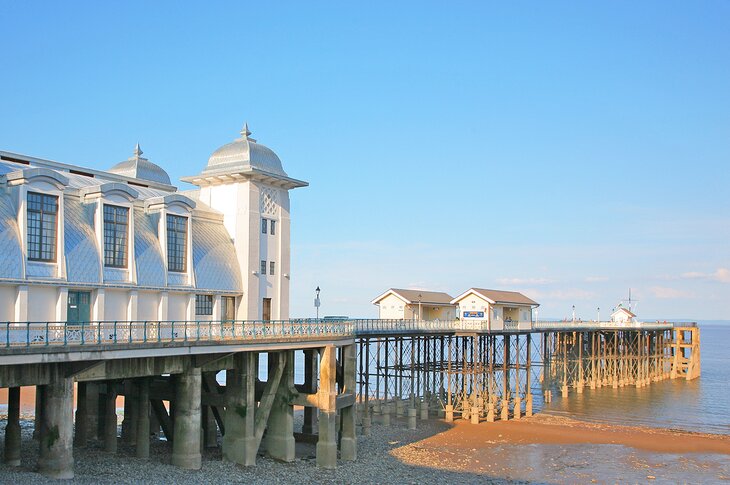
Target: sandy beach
(541, 449)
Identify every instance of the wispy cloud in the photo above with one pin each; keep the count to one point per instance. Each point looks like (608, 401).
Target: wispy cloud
(595, 279)
(665, 293)
(721, 275)
(524, 281)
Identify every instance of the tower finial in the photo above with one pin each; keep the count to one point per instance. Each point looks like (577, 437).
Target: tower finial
(244, 132)
(137, 151)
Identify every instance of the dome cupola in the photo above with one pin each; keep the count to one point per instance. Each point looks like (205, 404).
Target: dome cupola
(140, 168)
(244, 154)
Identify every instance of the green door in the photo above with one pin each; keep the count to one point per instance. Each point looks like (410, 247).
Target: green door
(79, 307)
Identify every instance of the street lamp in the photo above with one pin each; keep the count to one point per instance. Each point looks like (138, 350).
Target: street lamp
(316, 301)
(599, 313)
(573, 313)
(419, 306)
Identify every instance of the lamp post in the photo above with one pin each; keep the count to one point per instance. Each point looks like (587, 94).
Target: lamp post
(419, 306)
(316, 301)
(599, 314)
(573, 313)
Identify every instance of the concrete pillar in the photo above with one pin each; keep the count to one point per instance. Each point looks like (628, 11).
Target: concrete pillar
(39, 407)
(82, 424)
(475, 415)
(518, 407)
(424, 410)
(239, 443)
(186, 442)
(12, 429)
(385, 417)
(310, 387)
(327, 399)
(348, 439)
(280, 427)
(55, 459)
(504, 415)
(129, 424)
(366, 425)
(210, 428)
(110, 417)
(398, 407)
(528, 405)
(143, 418)
(92, 410)
(490, 411)
(411, 414)
(449, 413)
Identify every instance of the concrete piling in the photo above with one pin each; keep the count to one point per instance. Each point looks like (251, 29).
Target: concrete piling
(411, 414)
(12, 429)
(280, 431)
(110, 418)
(81, 430)
(348, 438)
(186, 442)
(143, 418)
(327, 396)
(55, 459)
(239, 443)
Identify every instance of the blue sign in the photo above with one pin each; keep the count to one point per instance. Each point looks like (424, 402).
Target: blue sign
(473, 314)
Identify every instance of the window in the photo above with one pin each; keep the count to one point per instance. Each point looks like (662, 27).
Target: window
(263, 226)
(263, 267)
(42, 218)
(203, 304)
(271, 268)
(177, 247)
(273, 228)
(116, 222)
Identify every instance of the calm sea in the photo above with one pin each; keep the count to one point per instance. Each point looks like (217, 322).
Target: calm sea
(699, 405)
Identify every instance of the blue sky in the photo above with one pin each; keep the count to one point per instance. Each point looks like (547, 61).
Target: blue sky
(569, 150)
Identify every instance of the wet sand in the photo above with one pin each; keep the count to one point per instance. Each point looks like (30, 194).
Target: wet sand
(552, 430)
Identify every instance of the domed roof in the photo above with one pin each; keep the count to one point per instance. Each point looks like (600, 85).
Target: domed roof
(244, 154)
(141, 168)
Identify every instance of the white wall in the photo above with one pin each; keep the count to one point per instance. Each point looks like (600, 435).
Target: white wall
(42, 303)
(7, 303)
(147, 305)
(178, 306)
(473, 303)
(115, 305)
(393, 308)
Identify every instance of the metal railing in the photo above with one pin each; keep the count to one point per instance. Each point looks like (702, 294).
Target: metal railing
(37, 334)
(595, 325)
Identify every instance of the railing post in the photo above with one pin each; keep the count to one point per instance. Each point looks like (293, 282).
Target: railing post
(7, 334)
(27, 334)
(115, 331)
(65, 336)
(47, 334)
(131, 326)
(144, 332)
(172, 331)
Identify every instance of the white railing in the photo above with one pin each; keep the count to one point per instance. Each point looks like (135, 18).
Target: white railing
(36, 334)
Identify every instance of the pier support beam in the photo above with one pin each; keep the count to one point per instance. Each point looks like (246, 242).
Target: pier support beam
(186, 441)
(280, 428)
(327, 396)
(56, 459)
(129, 423)
(348, 440)
(81, 430)
(239, 443)
(143, 418)
(310, 387)
(110, 417)
(12, 429)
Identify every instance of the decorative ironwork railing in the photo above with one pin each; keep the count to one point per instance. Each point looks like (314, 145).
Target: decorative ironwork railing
(33, 334)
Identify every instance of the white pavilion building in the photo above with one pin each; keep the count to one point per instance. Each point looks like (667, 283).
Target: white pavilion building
(79, 244)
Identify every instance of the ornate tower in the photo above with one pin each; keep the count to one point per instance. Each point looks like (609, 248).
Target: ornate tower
(246, 182)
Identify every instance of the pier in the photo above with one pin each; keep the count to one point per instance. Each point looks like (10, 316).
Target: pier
(357, 373)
